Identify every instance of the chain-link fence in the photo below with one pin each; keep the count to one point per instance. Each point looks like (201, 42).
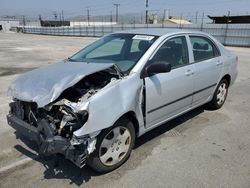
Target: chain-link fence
(227, 34)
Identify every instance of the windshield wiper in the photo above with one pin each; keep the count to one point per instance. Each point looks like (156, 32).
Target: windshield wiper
(119, 71)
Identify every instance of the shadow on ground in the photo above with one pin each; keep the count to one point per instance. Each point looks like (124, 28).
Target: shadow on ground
(56, 167)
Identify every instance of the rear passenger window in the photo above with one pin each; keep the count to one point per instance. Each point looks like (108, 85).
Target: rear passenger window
(173, 51)
(203, 48)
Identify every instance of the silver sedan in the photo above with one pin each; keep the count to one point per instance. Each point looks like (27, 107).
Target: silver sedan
(92, 106)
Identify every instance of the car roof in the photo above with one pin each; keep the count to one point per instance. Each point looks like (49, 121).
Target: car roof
(159, 31)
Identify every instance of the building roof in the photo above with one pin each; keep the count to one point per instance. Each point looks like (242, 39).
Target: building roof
(54, 23)
(231, 19)
(176, 21)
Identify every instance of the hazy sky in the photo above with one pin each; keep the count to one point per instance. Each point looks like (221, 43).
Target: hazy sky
(101, 7)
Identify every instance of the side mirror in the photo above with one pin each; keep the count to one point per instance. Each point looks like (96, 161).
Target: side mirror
(156, 68)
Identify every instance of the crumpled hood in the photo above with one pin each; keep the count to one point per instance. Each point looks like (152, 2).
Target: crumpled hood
(45, 84)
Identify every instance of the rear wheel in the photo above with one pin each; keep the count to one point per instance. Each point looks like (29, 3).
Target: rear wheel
(220, 95)
(113, 147)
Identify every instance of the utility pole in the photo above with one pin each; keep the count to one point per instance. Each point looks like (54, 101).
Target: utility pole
(62, 16)
(180, 21)
(196, 17)
(88, 16)
(55, 15)
(228, 21)
(116, 18)
(40, 17)
(146, 11)
(228, 15)
(202, 21)
(24, 21)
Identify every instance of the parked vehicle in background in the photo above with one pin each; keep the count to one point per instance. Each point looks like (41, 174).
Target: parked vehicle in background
(92, 106)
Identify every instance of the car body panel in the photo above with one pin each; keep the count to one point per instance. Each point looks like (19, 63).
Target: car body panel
(168, 93)
(45, 84)
(121, 96)
(206, 77)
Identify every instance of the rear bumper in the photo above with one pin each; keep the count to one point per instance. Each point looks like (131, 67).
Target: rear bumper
(48, 143)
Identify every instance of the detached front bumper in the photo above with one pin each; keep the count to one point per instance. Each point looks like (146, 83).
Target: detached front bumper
(48, 142)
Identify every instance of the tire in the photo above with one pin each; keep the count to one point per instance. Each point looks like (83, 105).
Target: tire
(220, 95)
(113, 147)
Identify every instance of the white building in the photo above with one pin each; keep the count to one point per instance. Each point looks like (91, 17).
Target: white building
(6, 24)
(82, 23)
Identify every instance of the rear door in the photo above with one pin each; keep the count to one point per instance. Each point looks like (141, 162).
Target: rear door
(168, 94)
(208, 67)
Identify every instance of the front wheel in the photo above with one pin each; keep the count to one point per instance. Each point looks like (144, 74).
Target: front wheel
(220, 95)
(113, 147)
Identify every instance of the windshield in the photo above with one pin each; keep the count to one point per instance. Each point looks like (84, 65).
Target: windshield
(124, 50)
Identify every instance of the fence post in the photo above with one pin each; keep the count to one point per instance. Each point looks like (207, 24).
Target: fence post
(87, 31)
(102, 30)
(225, 38)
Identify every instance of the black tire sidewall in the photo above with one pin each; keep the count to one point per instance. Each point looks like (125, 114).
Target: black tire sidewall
(94, 161)
(214, 103)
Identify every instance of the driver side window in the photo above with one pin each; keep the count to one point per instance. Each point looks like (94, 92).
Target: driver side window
(173, 51)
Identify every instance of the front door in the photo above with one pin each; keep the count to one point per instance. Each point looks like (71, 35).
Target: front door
(168, 94)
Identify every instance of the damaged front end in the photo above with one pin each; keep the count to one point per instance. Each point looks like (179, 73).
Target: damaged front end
(52, 126)
(45, 128)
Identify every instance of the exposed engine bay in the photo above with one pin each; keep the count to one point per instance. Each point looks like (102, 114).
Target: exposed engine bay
(62, 118)
(55, 123)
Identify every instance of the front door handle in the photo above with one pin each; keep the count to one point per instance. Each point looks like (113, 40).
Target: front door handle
(218, 63)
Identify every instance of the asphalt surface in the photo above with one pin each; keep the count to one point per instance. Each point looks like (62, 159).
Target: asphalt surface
(199, 149)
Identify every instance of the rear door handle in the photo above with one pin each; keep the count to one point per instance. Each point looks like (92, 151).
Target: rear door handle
(189, 72)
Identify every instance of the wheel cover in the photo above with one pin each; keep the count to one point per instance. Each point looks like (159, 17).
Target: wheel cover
(222, 93)
(115, 146)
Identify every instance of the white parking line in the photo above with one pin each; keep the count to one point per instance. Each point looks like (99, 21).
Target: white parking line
(15, 164)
